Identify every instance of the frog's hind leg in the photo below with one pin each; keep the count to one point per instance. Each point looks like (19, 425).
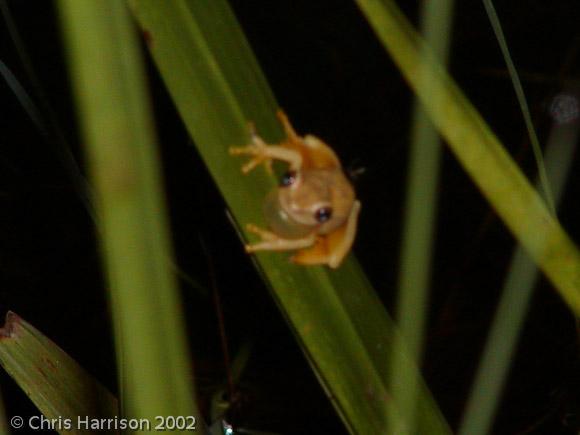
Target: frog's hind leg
(313, 255)
(273, 242)
(340, 244)
(332, 249)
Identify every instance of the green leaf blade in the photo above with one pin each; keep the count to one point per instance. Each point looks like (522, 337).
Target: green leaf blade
(60, 388)
(335, 315)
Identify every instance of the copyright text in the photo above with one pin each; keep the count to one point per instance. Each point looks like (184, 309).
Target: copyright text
(159, 423)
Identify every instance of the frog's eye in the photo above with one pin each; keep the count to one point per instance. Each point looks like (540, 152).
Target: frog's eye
(323, 214)
(288, 179)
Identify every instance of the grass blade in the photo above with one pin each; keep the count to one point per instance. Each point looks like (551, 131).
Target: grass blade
(217, 88)
(420, 208)
(107, 72)
(517, 84)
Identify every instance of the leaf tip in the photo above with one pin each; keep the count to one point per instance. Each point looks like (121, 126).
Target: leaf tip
(11, 321)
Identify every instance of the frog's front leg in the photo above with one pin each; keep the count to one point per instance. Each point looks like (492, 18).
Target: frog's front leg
(273, 242)
(264, 153)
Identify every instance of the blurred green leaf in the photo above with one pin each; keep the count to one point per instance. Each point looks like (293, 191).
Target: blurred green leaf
(420, 216)
(107, 73)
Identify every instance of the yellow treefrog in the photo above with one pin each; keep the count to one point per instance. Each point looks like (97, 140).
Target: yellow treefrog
(314, 210)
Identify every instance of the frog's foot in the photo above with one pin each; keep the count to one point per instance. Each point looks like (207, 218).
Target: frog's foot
(258, 149)
(273, 242)
(261, 152)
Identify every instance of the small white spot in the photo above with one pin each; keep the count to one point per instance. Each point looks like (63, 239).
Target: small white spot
(564, 108)
(228, 428)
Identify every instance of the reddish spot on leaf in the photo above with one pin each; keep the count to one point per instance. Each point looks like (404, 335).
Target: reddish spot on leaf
(147, 38)
(41, 372)
(48, 362)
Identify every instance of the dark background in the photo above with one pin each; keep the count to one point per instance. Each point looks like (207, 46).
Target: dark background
(334, 79)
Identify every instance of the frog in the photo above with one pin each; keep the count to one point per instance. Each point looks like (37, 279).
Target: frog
(314, 210)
